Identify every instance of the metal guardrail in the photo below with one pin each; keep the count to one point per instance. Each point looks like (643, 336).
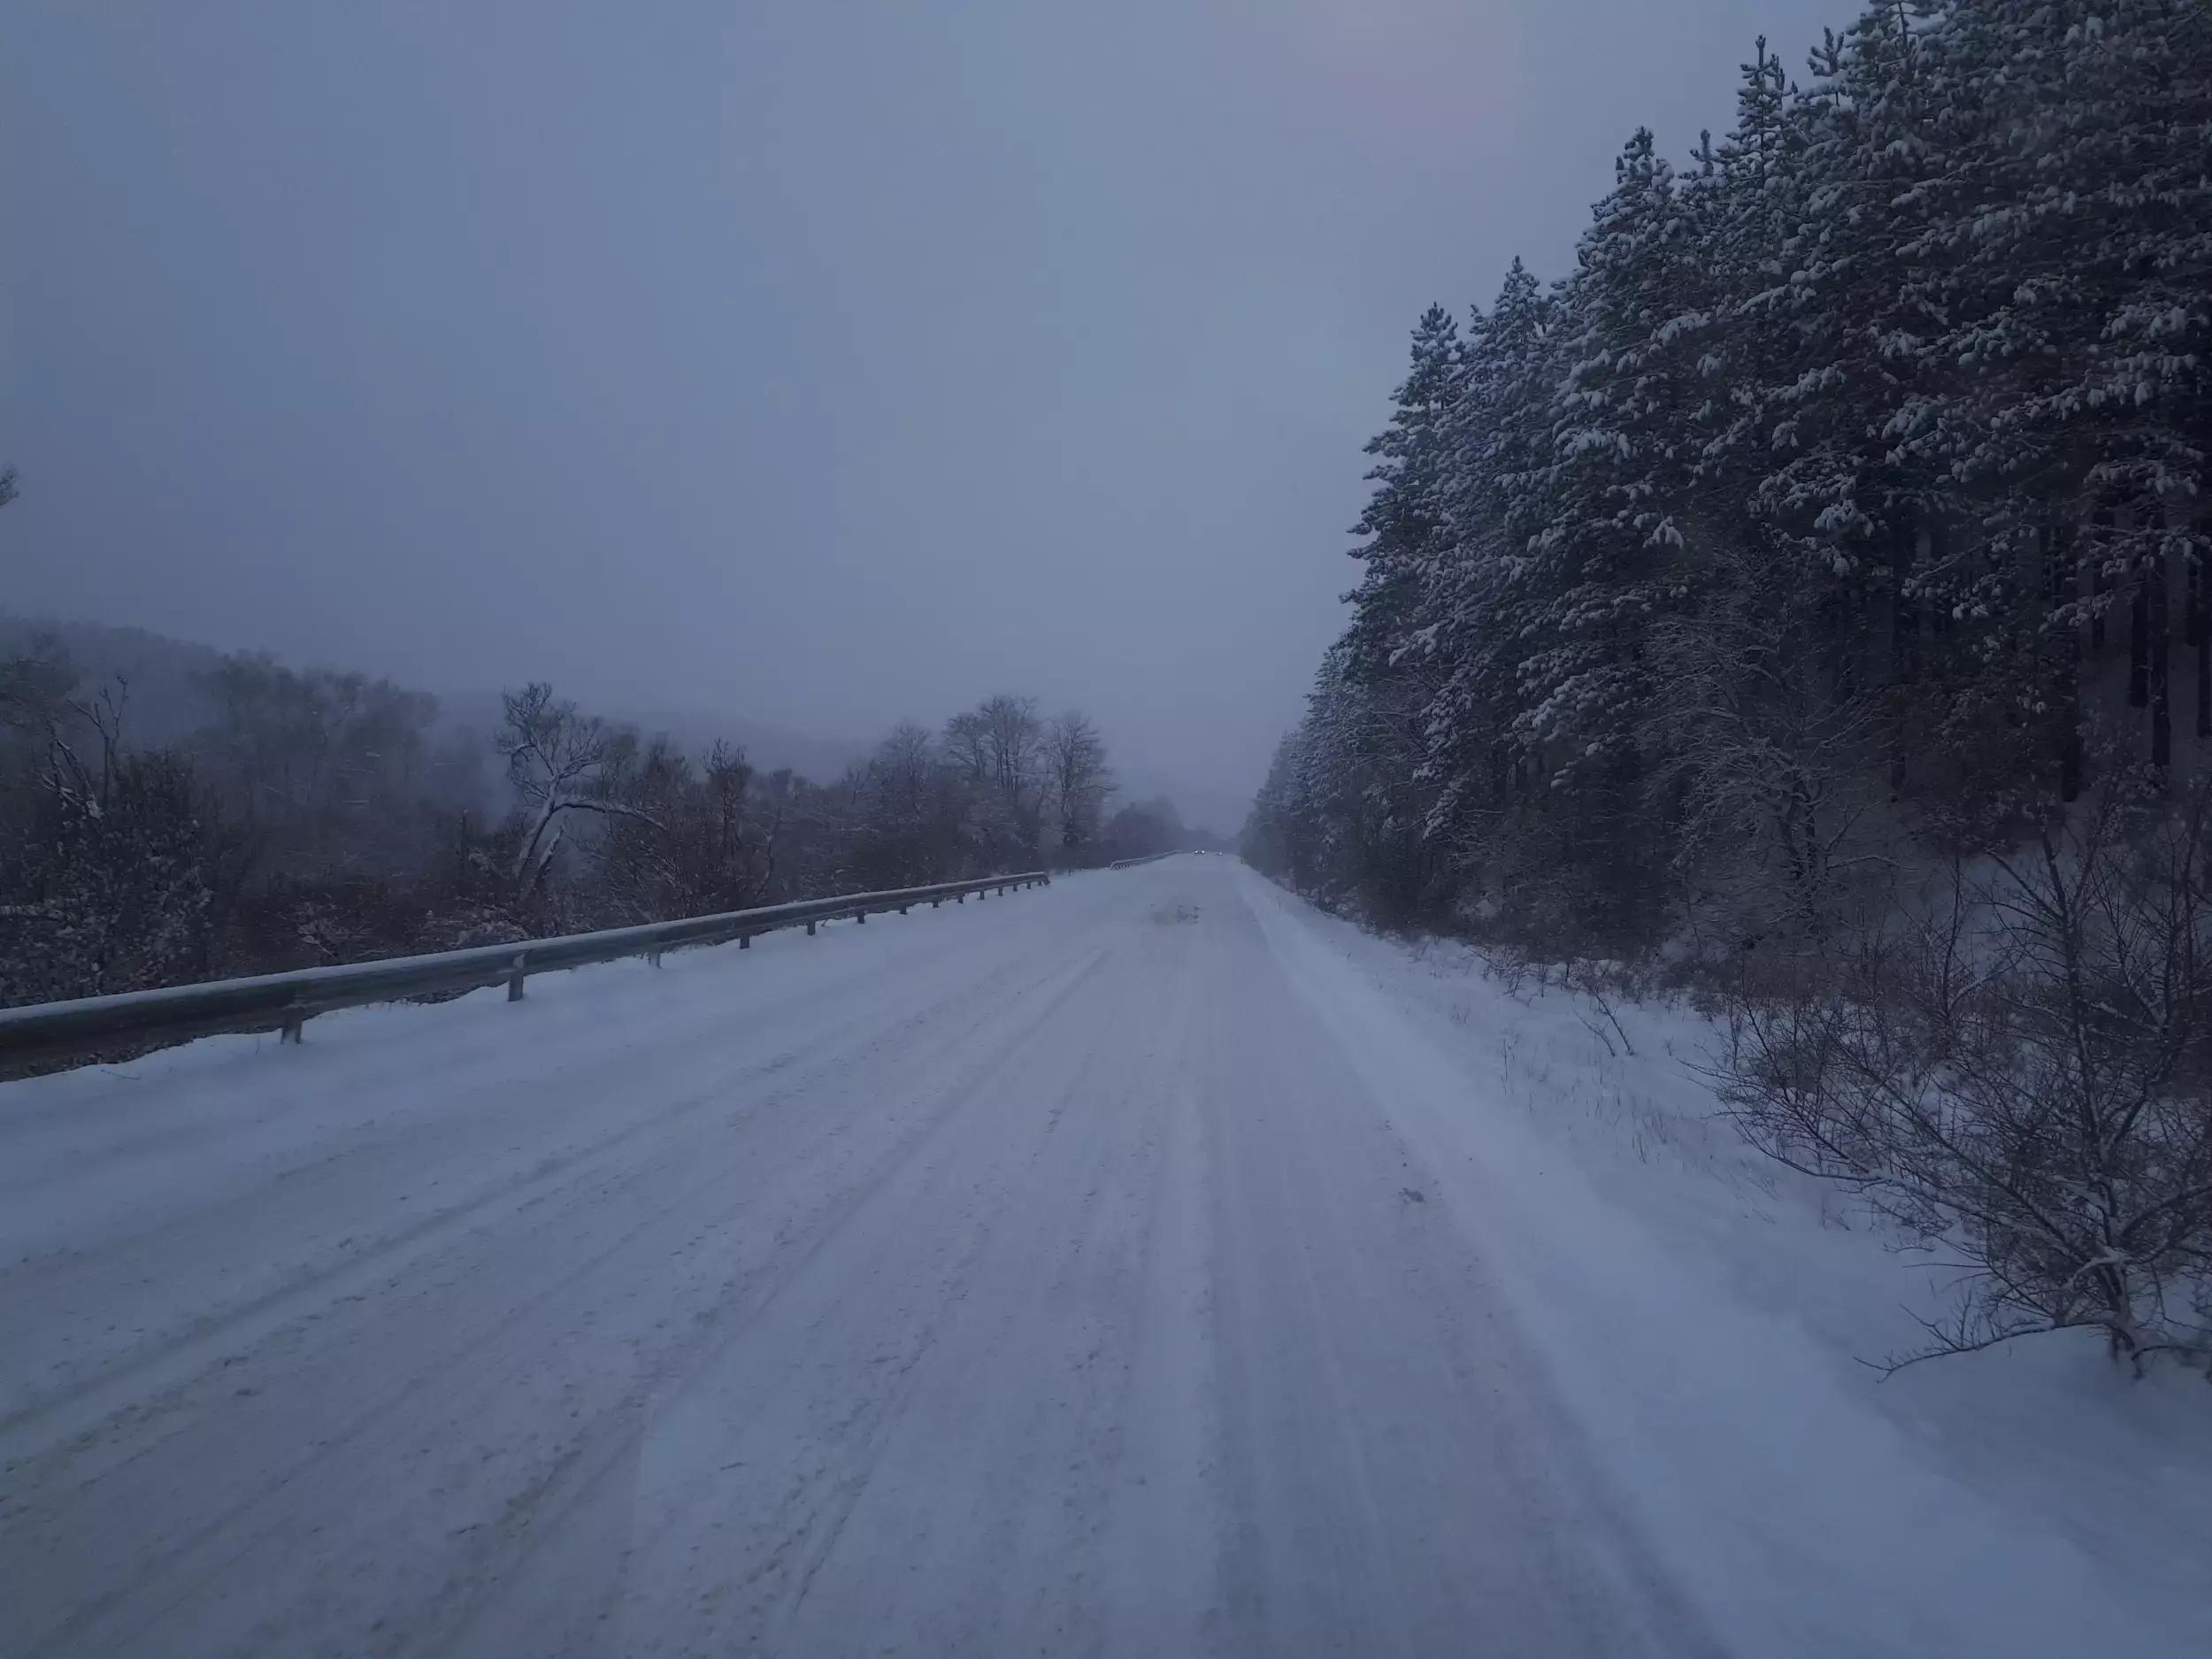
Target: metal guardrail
(1130, 863)
(286, 1001)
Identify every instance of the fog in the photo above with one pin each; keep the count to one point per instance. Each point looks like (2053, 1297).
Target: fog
(825, 363)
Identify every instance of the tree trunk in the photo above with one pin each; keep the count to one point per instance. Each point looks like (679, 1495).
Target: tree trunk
(1844, 629)
(1939, 616)
(2064, 567)
(2200, 636)
(2160, 700)
(2140, 637)
(2191, 630)
(2099, 586)
(1904, 623)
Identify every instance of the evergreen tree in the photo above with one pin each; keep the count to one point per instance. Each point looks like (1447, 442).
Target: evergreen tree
(1889, 415)
(1406, 518)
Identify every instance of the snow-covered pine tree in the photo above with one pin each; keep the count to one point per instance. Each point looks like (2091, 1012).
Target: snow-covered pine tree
(1853, 404)
(1895, 394)
(1405, 520)
(1479, 605)
(1623, 445)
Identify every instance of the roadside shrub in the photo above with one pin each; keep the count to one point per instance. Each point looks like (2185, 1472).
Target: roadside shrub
(2020, 1068)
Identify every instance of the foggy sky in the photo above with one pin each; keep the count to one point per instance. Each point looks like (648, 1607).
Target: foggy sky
(834, 364)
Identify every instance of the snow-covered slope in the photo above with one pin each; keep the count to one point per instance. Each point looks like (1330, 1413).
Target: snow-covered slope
(1145, 1265)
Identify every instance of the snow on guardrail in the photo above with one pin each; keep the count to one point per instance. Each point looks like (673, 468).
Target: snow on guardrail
(45, 1031)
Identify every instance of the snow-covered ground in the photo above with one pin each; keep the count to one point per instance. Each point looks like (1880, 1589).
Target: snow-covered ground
(1144, 1265)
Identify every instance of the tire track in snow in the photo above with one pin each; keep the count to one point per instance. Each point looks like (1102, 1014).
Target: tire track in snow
(935, 1022)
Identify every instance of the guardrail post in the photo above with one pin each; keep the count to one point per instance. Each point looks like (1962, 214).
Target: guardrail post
(860, 916)
(810, 930)
(902, 910)
(653, 957)
(515, 977)
(744, 941)
(295, 1024)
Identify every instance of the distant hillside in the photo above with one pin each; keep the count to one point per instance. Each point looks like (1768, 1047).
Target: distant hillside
(1218, 812)
(168, 699)
(168, 702)
(167, 695)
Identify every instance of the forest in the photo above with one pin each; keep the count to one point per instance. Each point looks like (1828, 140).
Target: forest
(1802, 604)
(251, 817)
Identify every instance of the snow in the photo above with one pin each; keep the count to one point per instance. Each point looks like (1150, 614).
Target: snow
(1146, 1264)
(1710, 1319)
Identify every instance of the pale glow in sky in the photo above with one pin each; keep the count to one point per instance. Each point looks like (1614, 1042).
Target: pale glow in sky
(833, 364)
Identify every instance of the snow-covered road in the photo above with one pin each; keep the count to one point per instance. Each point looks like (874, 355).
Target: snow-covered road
(1031, 1277)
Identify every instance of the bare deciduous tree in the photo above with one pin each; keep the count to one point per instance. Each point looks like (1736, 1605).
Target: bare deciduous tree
(559, 762)
(104, 878)
(2021, 1069)
(1077, 781)
(684, 842)
(998, 748)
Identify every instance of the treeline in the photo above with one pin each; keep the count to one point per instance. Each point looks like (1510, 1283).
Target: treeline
(1808, 591)
(326, 817)
(1867, 448)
